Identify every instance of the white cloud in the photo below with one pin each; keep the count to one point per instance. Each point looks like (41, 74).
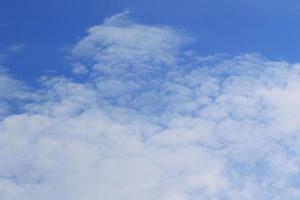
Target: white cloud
(79, 68)
(154, 122)
(121, 46)
(11, 91)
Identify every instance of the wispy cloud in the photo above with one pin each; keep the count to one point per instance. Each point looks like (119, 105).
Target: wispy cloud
(11, 91)
(16, 47)
(152, 121)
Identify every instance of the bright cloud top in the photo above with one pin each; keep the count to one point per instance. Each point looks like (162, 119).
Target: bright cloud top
(149, 120)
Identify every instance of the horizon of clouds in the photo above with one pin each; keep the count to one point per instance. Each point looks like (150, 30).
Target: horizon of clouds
(150, 119)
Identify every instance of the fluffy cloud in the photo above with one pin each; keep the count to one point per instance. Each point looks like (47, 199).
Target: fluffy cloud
(153, 121)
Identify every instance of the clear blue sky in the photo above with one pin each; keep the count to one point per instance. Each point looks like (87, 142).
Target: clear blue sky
(45, 28)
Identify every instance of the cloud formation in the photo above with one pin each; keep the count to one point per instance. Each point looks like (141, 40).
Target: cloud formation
(149, 120)
(12, 92)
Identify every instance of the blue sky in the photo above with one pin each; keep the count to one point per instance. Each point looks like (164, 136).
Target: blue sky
(156, 100)
(46, 28)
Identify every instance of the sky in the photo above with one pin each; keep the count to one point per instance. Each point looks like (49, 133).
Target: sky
(156, 100)
(46, 28)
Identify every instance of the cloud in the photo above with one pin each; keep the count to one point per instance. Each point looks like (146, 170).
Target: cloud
(13, 48)
(16, 47)
(120, 45)
(123, 53)
(79, 68)
(12, 92)
(151, 121)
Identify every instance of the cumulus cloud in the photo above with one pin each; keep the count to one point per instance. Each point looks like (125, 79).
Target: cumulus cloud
(153, 121)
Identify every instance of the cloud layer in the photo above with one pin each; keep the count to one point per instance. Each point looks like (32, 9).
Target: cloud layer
(142, 118)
